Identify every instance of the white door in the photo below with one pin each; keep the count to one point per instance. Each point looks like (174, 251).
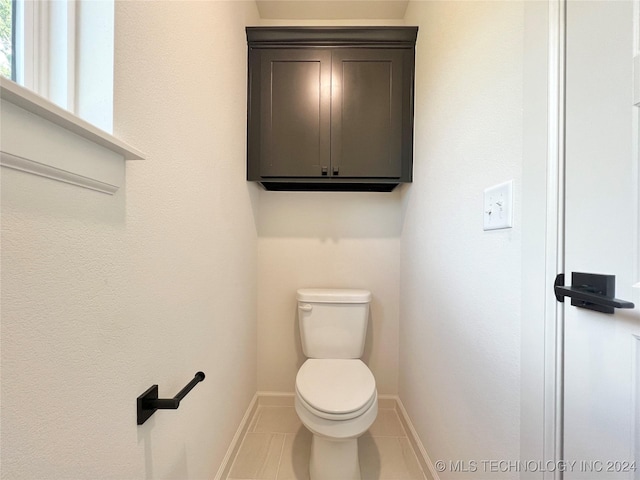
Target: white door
(602, 351)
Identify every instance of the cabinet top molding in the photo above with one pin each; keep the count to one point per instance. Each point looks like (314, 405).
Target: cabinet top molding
(332, 36)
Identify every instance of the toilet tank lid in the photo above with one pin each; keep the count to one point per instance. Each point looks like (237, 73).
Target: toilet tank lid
(333, 295)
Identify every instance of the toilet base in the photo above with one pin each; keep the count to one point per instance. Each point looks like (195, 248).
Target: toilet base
(333, 459)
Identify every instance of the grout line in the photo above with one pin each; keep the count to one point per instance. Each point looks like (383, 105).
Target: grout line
(235, 457)
(281, 454)
(417, 460)
(238, 438)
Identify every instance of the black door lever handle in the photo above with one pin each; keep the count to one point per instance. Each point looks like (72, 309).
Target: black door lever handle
(586, 296)
(591, 291)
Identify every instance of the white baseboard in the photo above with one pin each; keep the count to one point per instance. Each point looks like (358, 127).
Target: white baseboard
(287, 399)
(423, 457)
(227, 461)
(276, 399)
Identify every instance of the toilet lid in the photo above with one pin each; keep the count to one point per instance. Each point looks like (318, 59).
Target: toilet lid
(335, 385)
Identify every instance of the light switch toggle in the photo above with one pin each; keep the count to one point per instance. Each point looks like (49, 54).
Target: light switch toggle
(498, 206)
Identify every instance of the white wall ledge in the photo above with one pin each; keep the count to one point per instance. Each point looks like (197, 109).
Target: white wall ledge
(47, 171)
(40, 138)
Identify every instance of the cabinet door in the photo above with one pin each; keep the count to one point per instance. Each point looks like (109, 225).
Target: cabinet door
(367, 112)
(295, 112)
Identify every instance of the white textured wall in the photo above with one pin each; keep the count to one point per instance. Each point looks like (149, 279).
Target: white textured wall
(104, 296)
(460, 286)
(332, 240)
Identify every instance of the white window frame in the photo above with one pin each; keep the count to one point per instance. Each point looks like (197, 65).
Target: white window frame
(62, 47)
(57, 118)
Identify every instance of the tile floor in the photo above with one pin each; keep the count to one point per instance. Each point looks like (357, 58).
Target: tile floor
(276, 447)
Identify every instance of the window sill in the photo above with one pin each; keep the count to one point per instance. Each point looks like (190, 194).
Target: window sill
(40, 138)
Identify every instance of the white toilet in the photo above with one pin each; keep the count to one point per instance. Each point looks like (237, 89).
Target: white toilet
(336, 396)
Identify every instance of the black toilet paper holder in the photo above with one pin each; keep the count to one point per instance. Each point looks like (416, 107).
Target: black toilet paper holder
(148, 402)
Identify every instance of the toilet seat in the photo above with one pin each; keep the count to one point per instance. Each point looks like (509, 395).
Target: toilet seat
(336, 389)
(338, 416)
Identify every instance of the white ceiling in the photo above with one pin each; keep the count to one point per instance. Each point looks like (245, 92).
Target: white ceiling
(332, 9)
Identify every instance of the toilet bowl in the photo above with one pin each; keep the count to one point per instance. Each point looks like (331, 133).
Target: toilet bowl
(336, 397)
(336, 390)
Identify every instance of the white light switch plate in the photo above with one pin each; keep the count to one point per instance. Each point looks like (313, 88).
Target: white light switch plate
(498, 206)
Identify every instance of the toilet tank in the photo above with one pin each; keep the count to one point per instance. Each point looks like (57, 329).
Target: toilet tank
(333, 322)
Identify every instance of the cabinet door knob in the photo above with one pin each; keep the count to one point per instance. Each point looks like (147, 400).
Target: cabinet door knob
(336, 170)
(325, 170)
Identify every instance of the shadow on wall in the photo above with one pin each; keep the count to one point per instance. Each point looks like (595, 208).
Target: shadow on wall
(297, 341)
(368, 341)
(253, 192)
(331, 215)
(178, 467)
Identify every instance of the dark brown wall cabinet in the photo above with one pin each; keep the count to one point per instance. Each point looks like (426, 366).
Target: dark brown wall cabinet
(330, 108)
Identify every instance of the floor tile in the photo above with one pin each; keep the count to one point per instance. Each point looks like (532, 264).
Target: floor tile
(411, 461)
(294, 464)
(387, 424)
(258, 457)
(386, 402)
(278, 446)
(277, 420)
(385, 458)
